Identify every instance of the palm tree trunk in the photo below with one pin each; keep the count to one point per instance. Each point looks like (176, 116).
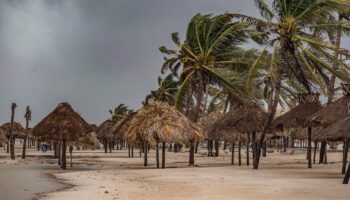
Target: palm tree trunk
(64, 153)
(347, 176)
(309, 139)
(345, 155)
(266, 126)
(163, 155)
(12, 139)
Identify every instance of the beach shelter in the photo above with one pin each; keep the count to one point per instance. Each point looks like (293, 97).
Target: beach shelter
(64, 126)
(158, 122)
(206, 123)
(240, 123)
(340, 131)
(105, 134)
(297, 117)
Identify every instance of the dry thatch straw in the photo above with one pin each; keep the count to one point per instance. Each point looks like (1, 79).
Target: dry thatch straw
(331, 113)
(297, 116)
(159, 122)
(17, 130)
(104, 131)
(89, 140)
(207, 122)
(244, 119)
(63, 123)
(121, 127)
(337, 131)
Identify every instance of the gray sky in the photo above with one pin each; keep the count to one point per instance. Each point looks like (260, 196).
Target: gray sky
(93, 54)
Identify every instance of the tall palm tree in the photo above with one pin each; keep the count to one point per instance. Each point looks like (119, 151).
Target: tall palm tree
(12, 139)
(28, 117)
(293, 30)
(211, 44)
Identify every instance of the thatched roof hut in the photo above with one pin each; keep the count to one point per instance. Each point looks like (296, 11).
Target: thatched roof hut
(296, 117)
(89, 140)
(207, 122)
(244, 119)
(331, 113)
(336, 131)
(62, 123)
(104, 131)
(121, 127)
(159, 122)
(17, 130)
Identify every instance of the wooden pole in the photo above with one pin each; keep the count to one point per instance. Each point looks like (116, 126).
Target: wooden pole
(157, 154)
(233, 154)
(248, 143)
(239, 153)
(163, 155)
(64, 157)
(309, 139)
(145, 152)
(345, 155)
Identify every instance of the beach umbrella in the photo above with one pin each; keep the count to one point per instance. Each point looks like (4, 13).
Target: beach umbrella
(120, 129)
(105, 134)
(62, 125)
(160, 122)
(206, 123)
(340, 131)
(297, 117)
(243, 120)
(17, 132)
(329, 115)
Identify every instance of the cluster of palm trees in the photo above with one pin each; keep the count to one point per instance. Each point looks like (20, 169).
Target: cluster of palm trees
(211, 70)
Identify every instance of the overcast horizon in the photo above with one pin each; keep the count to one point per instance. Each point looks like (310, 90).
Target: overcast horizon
(91, 54)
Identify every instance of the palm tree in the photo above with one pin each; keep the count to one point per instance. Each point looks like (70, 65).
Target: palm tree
(119, 111)
(28, 117)
(12, 139)
(166, 92)
(211, 46)
(293, 30)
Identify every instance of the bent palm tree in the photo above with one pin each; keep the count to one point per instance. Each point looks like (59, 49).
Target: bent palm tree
(293, 30)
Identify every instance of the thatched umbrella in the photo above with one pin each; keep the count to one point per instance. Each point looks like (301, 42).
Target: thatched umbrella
(17, 132)
(329, 115)
(297, 117)
(340, 131)
(159, 122)
(120, 130)
(247, 118)
(206, 123)
(62, 125)
(105, 134)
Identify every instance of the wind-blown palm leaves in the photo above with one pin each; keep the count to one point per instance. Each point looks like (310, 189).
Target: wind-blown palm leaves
(166, 92)
(119, 111)
(294, 31)
(210, 46)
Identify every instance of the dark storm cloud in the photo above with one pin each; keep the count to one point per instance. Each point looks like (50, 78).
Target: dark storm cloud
(93, 54)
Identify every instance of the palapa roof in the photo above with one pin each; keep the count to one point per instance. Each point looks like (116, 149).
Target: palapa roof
(297, 116)
(89, 140)
(245, 119)
(207, 122)
(17, 129)
(105, 130)
(163, 123)
(336, 131)
(121, 127)
(62, 123)
(331, 113)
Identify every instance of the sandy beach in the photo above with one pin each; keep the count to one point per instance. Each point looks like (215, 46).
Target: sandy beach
(281, 176)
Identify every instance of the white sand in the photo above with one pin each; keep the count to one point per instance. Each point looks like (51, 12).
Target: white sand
(281, 176)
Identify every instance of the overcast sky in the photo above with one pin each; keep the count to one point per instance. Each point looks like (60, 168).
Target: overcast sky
(93, 54)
